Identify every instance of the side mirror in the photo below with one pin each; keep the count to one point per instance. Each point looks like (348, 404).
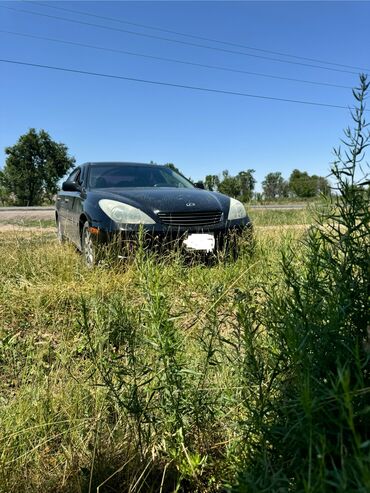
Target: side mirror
(71, 186)
(199, 184)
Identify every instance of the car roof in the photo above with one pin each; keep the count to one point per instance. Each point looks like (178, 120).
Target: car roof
(117, 163)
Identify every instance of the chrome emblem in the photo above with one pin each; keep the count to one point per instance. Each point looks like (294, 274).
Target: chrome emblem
(190, 204)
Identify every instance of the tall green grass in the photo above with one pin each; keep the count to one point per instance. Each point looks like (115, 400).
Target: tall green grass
(127, 377)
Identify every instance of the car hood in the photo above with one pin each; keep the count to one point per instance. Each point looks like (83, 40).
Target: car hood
(167, 199)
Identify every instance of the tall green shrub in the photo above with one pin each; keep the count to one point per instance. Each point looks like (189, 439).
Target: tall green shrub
(316, 433)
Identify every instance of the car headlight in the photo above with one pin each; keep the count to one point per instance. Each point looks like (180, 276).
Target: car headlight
(124, 213)
(237, 210)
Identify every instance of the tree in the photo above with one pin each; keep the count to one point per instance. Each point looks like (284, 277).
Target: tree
(247, 183)
(211, 182)
(34, 166)
(4, 197)
(274, 186)
(303, 185)
(323, 185)
(229, 185)
(240, 186)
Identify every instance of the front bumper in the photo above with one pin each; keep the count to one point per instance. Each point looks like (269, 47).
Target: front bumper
(162, 237)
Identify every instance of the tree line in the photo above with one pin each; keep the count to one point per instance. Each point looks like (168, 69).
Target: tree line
(300, 184)
(36, 163)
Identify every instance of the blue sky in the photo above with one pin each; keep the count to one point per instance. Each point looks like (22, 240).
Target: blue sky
(106, 119)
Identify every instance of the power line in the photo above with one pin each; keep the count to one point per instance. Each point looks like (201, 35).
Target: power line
(228, 43)
(169, 84)
(173, 60)
(197, 45)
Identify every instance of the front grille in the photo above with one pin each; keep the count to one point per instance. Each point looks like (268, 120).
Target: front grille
(194, 218)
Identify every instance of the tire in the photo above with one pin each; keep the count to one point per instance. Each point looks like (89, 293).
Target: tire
(232, 248)
(237, 244)
(228, 248)
(60, 232)
(88, 246)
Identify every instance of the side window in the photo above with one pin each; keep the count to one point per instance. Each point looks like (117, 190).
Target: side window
(75, 175)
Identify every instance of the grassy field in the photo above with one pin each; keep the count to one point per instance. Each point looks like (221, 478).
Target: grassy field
(152, 375)
(282, 217)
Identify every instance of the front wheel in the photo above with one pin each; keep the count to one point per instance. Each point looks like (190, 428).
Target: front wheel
(88, 246)
(60, 232)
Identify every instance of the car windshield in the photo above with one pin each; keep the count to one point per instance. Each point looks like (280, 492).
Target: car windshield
(135, 176)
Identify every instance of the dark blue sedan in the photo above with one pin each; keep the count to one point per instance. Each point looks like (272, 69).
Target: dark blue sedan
(104, 202)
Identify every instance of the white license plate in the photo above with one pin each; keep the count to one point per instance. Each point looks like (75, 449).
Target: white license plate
(200, 241)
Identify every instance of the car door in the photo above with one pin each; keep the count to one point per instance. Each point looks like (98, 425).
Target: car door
(66, 201)
(76, 207)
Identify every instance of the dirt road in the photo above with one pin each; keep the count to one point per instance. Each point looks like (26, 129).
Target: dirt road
(11, 214)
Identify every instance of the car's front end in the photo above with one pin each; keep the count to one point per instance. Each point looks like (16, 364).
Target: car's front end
(195, 220)
(122, 203)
